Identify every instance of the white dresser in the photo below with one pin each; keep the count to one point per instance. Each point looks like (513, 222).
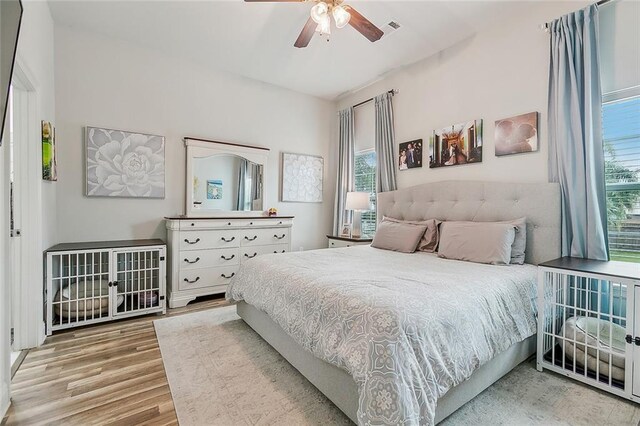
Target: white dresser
(205, 253)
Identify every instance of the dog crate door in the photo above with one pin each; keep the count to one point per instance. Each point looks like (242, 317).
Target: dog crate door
(636, 348)
(139, 280)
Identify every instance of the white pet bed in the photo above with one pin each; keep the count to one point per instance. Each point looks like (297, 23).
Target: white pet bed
(77, 300)
(603, 342)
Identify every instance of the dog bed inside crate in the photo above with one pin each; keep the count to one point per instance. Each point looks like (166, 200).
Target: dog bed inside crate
(605, 345)
(77, 299)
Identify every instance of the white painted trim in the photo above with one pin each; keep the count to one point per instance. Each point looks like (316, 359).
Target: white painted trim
(29, 321)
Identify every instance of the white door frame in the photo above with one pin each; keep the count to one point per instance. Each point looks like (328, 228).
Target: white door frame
(27, 294)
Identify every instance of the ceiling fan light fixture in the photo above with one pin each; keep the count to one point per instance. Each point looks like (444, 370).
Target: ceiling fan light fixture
(319, 12)
(324, 26)
(341, 16)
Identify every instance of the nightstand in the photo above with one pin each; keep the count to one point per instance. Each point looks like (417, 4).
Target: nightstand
(596, 302)
(335, 242)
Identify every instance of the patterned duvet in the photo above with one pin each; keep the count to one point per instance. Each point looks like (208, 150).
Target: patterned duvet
(407, 327)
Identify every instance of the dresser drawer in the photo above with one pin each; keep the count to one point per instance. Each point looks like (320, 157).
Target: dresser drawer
(186, 225)
(208, 239)
(193, 259)
(257, 223)
(262, 237)
(206, 277)
(247, 253)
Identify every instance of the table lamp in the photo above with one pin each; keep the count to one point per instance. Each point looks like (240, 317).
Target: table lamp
(358, 202)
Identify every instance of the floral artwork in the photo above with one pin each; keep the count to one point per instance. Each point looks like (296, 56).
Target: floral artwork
(49, 166)
(214, 190)
(124, 164)
(302, 177)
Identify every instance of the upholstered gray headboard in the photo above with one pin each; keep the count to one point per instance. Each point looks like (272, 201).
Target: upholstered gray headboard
(484, 202)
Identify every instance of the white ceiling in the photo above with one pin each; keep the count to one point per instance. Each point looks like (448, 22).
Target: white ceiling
(256, 40)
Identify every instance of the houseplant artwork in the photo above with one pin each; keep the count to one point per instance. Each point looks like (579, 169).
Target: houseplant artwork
(457, 144)
(517, 134)
(302, 178)
(49, 163)
(124, 164)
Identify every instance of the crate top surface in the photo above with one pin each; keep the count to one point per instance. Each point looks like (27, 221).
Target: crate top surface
(612, 268)
(99, 245)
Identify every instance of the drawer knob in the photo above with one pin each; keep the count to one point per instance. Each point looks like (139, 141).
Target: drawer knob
(192, 261)
(250, 256)
(230, 276)
(251, 239)
(227, 258)
(280, 223)
(193, 224)
(283, 251)
(187, 280)
(250, 223)
(279, 238)
(227, 241)
(192, 242)
(229, 223)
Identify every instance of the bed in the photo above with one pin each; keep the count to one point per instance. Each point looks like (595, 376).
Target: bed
(396, 338)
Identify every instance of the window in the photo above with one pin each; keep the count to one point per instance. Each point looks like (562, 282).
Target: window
(621, 129)
(365, 175)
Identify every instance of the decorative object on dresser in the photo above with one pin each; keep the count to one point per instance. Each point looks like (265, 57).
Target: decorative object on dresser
(205, 253)
(94, 282)
(302, 177)
(49, 163)
(457, 144)
(410, 155)
(517, 134)
(358, 202)
(124, 164)
(589, 327)
(236, 186)
(340, 241)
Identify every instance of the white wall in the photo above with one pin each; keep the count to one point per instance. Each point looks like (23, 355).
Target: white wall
(620, 45)
(499, 73)
(114, 84)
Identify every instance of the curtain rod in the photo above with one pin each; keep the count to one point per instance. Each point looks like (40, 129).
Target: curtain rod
(391, 92)
(545, 26)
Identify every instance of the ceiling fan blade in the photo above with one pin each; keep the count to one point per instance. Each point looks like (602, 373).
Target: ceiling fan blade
(363, 25)
(307, 32)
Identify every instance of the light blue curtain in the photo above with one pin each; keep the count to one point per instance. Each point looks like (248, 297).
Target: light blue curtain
(242, 177)
(576, 157)
(385, 143)
(345, 178)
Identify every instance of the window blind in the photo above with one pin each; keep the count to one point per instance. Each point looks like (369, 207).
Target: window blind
(621, 133)
(365, 181)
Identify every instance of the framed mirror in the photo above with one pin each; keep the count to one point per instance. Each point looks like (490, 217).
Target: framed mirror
(225, 179)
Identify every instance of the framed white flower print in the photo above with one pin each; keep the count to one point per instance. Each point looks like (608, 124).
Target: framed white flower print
(302, 178)
(124, 164)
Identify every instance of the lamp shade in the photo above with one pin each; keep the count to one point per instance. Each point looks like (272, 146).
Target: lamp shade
(357, 201)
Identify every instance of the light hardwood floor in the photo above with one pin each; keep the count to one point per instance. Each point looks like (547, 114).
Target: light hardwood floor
(104, 374)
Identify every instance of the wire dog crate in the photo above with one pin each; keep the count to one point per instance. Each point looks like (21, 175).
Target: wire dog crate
(93, 282)
(587, 321)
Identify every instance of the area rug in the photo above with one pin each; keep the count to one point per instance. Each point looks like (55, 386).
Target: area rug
(222, 373)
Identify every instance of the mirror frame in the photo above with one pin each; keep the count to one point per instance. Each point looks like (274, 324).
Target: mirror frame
(202, 148)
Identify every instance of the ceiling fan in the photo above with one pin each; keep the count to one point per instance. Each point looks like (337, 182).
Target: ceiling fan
(320, 20)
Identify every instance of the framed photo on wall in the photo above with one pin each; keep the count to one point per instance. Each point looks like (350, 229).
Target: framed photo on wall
(456, 144)
(517, 134)
(410, 155)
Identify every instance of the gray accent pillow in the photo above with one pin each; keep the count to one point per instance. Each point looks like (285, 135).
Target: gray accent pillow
(397, 236)
(429, 241)
(480, 242)
(519, 245)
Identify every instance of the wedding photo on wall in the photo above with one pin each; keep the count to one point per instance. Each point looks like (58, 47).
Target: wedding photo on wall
(456, 144)
(410, 155)
(517, 134)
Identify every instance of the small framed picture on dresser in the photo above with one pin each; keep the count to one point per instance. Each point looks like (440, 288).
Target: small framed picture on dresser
(346, 230)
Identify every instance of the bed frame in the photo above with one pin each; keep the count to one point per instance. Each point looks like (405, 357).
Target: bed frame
(446, 200)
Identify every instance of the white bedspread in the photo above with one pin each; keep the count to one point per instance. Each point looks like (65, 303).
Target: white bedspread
(407, 327)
